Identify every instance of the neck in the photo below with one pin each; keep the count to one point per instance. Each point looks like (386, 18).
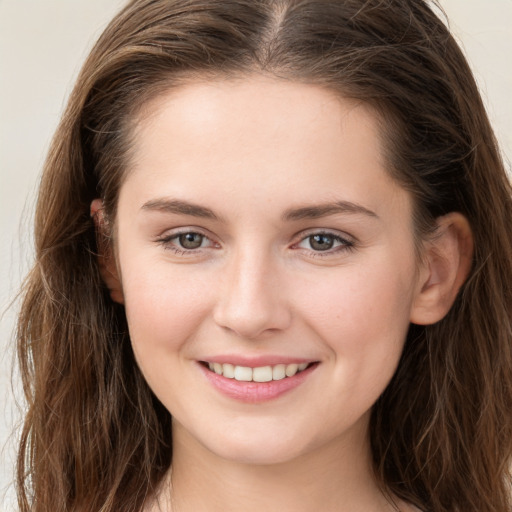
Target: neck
(336, 477)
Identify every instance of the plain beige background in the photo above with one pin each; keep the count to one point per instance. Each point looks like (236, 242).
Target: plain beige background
(42, 45)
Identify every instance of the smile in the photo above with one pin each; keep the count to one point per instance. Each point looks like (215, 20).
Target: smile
(256, 384)
(258, 374)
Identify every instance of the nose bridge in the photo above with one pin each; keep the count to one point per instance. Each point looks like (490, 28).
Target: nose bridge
(251, 300)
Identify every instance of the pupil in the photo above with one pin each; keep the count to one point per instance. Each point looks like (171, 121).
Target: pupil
(191, 240)
(321, 242)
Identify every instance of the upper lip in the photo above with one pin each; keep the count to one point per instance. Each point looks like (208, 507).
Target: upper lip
(256, 361)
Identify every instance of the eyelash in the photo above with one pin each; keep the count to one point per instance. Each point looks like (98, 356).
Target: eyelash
(344, 243)
(166, 242)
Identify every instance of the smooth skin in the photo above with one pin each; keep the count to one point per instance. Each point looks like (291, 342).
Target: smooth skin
(257, 218)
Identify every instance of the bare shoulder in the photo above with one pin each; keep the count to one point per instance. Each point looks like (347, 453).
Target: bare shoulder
(155, 504)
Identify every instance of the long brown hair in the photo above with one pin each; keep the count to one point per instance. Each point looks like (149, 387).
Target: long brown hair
(95, 438)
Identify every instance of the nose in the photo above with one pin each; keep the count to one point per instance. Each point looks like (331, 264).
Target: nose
(252, 299)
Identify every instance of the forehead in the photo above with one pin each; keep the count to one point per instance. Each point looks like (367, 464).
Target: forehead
(261, 139)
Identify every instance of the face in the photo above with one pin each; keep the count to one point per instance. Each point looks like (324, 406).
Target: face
(267, 266)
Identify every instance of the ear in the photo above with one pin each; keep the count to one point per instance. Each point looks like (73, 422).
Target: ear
(447, 262)
(106, 259)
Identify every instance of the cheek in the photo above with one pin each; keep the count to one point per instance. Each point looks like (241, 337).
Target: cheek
(163, 309)
(163, 306)
(362, 313)
(363, 320)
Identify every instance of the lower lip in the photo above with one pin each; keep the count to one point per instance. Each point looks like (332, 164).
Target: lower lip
(256, 392)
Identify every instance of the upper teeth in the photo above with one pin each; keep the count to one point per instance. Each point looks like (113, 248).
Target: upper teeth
(258, 374)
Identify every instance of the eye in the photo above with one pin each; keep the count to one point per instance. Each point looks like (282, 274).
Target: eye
(186, 241)
(190, 240)
(325, 242)
(321, 242)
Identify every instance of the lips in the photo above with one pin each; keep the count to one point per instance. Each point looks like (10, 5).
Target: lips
(256, 384)
(265, 373)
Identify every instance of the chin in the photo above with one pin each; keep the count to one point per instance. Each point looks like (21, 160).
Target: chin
(261, 445)
(258, 455)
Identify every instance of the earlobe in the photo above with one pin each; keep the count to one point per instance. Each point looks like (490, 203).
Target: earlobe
(106, 259)
(447, 262)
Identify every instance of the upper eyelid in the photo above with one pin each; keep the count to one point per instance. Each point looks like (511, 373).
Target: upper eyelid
(343, 235)
(346, 243)
(174, 232)
(170, 234)
(168, 242)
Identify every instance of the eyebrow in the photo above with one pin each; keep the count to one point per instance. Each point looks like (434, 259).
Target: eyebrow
(326, 209)
(179, 207)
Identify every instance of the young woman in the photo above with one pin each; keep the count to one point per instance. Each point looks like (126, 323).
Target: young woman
(273, 269)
